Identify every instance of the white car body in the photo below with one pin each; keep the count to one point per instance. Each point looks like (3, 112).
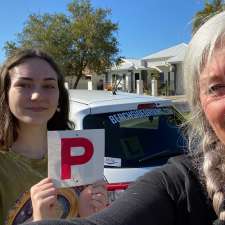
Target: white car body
(85, 102)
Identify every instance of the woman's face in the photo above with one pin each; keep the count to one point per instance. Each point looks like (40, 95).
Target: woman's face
(212, 93)
(33, 94)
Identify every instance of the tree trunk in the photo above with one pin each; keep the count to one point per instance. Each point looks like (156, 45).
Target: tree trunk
(77, 81)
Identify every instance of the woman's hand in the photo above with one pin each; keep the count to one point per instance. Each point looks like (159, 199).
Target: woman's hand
(93, 199)
(44, 200)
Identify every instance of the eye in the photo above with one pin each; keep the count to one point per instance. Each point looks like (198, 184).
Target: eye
(24, 85)
(49, 86)
(217, 89)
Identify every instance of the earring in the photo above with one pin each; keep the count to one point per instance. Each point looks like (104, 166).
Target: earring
(58, 109)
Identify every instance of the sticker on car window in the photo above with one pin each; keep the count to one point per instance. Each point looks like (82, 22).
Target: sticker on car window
(141, 113)
(131, 147)
(109, 161)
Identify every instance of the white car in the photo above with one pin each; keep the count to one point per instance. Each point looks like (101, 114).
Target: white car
(141, 132)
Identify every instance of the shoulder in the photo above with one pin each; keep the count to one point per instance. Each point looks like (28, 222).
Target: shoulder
(4, 154)
(164, 189)
(183, 162)
(184, 170)
(179, 167)
(5, 163)
(176, 178)
(7, 159)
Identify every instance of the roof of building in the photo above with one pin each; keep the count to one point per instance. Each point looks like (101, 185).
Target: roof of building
(129, 64)
(177, 52)
(164, 57)
(178, 58)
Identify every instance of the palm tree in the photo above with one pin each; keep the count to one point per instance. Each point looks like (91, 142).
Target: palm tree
(209, 10)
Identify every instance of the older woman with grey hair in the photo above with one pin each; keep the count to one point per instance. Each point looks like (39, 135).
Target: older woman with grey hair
(189, 189)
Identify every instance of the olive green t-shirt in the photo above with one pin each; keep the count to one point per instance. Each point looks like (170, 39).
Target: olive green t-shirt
(17, 175)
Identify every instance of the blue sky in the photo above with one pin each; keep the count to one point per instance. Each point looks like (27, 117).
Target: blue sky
(145, 26)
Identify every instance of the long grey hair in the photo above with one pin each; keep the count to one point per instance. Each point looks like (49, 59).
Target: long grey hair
(209, 38)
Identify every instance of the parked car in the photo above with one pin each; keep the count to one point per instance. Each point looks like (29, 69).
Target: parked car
(141, 132)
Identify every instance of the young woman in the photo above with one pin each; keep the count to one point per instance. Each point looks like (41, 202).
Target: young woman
(190, 189)
(33, 100)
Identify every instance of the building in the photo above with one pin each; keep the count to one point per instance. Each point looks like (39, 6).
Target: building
(166, 66)
(126, 74)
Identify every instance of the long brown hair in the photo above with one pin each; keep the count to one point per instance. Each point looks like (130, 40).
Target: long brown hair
(8, 123)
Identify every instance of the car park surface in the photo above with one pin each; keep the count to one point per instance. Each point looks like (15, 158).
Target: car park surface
(141, 132)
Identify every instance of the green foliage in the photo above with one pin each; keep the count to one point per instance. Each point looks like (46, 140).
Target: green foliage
(84, 39)
(10, 47)
(210, 9)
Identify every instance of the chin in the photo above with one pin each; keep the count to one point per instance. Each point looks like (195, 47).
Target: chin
(35, 121)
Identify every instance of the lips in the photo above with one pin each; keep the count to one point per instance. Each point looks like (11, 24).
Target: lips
(36, 109)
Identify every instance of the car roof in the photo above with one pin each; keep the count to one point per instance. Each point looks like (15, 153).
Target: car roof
(97, 98)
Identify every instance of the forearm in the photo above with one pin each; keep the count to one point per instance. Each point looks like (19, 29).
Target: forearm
(143, 204)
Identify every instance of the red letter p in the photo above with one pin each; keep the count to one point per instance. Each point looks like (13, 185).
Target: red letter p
(67, 160)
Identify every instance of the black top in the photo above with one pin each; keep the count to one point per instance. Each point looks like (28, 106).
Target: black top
(170, 195)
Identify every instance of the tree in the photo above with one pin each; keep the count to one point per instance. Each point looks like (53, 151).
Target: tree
(82, 40)
(210, 9)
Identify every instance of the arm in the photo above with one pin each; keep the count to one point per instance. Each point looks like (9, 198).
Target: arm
(146, 202)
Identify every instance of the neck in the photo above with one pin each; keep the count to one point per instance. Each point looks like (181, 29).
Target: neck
(31, 141)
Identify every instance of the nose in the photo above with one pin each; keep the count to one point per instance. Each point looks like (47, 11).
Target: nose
(36, 94)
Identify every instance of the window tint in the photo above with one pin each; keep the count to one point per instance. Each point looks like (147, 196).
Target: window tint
(148, 123)
(137, 134)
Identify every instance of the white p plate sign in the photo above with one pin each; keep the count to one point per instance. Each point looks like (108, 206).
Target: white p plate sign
(76, 157)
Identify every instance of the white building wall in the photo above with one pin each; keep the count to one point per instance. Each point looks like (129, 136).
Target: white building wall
(172, 81)
(149, 82)
(165, 76)
(125, 84)
(134, 89)
(180, 79)
(128, 83)
(83, 84)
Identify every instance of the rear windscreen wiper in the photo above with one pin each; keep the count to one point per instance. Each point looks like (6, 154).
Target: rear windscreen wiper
(159, 155)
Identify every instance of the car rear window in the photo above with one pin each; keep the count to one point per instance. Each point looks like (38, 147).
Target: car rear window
(139, 137)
